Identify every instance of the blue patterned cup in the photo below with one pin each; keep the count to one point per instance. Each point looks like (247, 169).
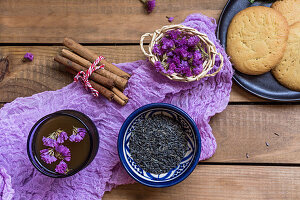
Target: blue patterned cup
(187, 164)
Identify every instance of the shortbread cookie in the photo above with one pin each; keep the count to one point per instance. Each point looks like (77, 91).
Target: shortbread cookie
(256, 39)
(287, 72)
(290, 9)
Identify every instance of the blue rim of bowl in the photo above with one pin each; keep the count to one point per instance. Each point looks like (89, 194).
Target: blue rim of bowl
(121, 138)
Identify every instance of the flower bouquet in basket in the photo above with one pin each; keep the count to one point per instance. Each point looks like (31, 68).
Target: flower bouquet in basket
(182, 53)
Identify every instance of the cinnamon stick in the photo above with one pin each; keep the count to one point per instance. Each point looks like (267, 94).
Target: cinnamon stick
(120, 82)
(96, 77)
(89, 55)
(119, 97)
(102, 90)
(120, 94)
(119, 100)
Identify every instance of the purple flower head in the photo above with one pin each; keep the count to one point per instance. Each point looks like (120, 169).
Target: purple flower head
(29, 56)
(186, 70)
(184, 64)
(172, 66)
(78, 134)
(197, 70)
(49, 142)
(158, 66)
(63, 152)
(62, 137)
(190, 55)
(57, 137)
(173, 34)
(183, 52)
(177, 70)
(62, 167)
(171, 69)
(167, 43)
(157, 50)
(169, 60)
(170, 19)
(150, 5)
(48, 155)
(193, 41)
(170, 54)
(197, 61)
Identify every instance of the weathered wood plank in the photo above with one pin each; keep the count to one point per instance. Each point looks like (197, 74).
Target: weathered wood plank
(26, 79)
(242, 129)
(222, 182)
(1, 105)
(92, 21)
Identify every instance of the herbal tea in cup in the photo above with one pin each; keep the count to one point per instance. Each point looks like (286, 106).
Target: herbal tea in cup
(62, 143)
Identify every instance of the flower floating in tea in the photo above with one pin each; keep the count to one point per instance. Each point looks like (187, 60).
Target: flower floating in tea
(180, 53)
(63, 152)
(58, 151)
(158, 144)
(48, 155)
(78, 134)
(62, 167)
(57, 137)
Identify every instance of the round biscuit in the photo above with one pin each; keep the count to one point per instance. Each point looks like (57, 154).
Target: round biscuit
(256, 39)
(290, 9)
(287, 72)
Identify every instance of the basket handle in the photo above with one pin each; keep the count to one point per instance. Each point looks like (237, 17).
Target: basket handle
(142, 44)
(220, 67)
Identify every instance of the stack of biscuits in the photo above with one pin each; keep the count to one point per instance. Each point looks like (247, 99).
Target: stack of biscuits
(261, 39)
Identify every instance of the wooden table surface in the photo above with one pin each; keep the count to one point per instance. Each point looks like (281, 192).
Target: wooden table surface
(112, 28)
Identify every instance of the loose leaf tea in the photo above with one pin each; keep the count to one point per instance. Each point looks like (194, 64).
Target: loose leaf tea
(158, 144)
(63, 144)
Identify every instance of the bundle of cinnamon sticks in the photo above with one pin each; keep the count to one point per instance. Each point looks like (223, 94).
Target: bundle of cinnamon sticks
(109, 81)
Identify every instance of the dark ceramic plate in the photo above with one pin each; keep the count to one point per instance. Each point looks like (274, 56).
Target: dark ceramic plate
(264, 85)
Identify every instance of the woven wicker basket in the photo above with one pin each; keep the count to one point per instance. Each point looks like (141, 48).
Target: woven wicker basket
(208, 63)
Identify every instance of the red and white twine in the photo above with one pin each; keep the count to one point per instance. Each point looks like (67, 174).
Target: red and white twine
(84, 76)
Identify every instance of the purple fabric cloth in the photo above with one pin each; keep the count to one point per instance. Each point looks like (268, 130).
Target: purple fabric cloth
(201, 100)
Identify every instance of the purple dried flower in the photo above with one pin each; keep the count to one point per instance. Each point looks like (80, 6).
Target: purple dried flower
(197, 61)
(62, 137)
(179, 53)
(172, 66)
(49, 142)
(170, 19)
(197, 70)
(167, 43)
(62, 167)
(176, 60)
(173, 34)
(157, 50)
(190, 55)
(185, 68)
(170, 54)
(63, 152)
(78, 134)
(159, 68)
(193, 41)
(57, 137)
(29, 56)
(169, 60)
(184, 64)
(182, 42)
(183, 52)
(48, 155)
(149, 5)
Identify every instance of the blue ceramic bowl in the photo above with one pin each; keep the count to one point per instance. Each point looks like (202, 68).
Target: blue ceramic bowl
(176, 174)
